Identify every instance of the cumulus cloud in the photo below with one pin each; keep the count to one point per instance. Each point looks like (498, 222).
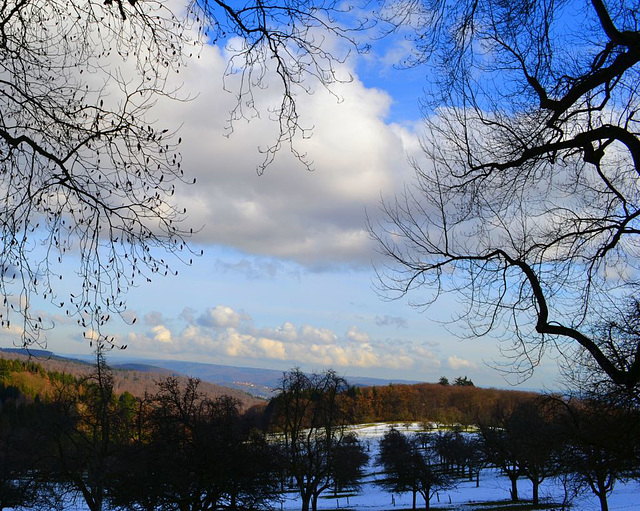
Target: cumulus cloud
(287, 332)
(356, 335)
(314, 218)
(188, 314)
(153, 318)
(456, 362)
(220, 316)
(313, 335)
(161, 334)
(223, 332)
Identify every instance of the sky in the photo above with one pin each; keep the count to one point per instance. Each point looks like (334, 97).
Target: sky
(287, 277)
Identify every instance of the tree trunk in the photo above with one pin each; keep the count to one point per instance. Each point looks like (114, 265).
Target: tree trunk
(514, 488)
(415, 493)
(92, 499)
(604, 504)
(602, 492)
(314, 502)
(536, 487)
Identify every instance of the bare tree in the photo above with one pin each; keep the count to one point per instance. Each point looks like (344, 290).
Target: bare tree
(311, 418)
(528, 202)
(411, 464)
(618, 336)
(86, 426)
(86, 172)
(600, 445)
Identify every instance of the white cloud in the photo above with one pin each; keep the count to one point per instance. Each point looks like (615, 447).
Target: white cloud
(314, 218)
(356, 335)
(312, 335)
(287, 332)
(161, 334)
(188, 314)
(307, 345)
(91, 335)
(271, 348)
(220, 317)
(153, 318)
(456, 362)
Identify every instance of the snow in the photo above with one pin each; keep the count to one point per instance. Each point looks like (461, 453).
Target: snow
(493, 487)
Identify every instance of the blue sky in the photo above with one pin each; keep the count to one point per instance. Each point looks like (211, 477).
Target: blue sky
(286, 278)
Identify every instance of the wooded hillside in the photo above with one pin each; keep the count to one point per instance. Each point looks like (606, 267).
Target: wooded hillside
(34, 377)
(447, 404)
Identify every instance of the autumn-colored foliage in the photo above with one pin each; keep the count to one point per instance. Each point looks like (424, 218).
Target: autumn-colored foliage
(39, 377)
(432, 402)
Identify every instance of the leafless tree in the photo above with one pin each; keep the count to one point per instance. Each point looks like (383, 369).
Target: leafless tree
(527, 204)
(311, 417)
(87, 174)
(600, 444)
(618, 336)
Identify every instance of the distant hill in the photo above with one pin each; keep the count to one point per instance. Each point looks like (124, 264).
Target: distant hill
(143, 368)
(257, 382)
(374, 399)
(134, 378)
(254, 381)
(42, 355)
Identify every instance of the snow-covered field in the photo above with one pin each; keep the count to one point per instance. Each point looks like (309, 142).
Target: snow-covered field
(493, 487)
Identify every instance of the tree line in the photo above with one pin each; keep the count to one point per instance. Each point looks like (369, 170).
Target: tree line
(179, 449)
(432, 402)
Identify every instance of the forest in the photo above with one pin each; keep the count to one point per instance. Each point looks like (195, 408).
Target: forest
(65, 437)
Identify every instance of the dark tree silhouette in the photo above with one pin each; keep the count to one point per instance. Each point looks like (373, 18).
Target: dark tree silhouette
(411, 464)
(528, 203)
(537, 441)
(86, 425)
(459, 453)
(527, 441)
(19, 454)
(312, 418)
(350, 458)
(500, 450)
(618, 337)
(463, 381)
(601, 444)
(201, 456)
